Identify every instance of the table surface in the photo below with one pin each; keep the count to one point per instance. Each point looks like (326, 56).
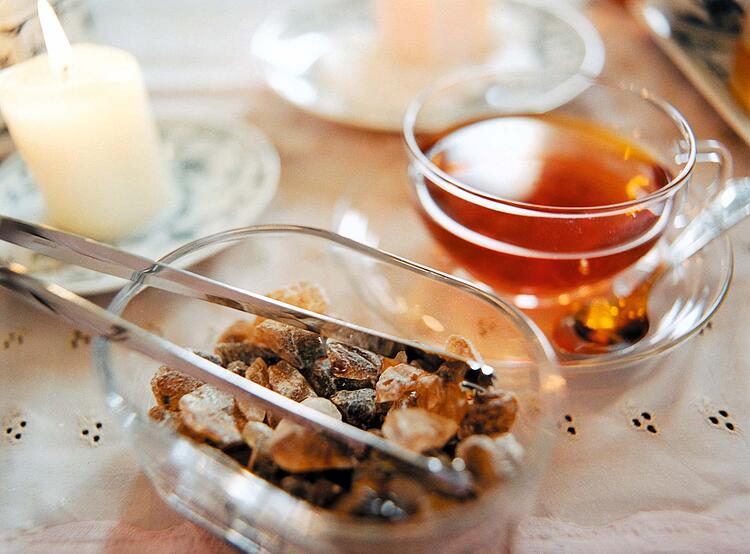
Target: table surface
(686, 485)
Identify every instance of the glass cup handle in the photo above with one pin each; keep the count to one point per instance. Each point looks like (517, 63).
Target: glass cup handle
(707, 152)
(714, 152)
(728, 204)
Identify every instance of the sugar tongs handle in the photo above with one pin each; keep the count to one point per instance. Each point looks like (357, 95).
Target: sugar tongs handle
(91, 318)
(88, 253)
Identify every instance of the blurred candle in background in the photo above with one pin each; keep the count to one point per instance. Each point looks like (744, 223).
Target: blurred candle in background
(80, 119)
(436, 32)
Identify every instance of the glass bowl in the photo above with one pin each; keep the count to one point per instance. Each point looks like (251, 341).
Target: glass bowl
(400, 297)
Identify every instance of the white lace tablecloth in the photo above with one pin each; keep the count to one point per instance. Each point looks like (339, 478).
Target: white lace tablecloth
(68, 484)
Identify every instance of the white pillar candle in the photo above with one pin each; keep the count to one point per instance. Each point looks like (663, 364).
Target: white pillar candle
(433, 31)
(80, 119)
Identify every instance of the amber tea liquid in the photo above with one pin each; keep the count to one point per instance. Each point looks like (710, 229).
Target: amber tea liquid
(547, 163)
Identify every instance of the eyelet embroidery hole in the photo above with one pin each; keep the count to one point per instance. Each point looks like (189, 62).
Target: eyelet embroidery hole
(567, 426)
(720, 418)
(79, 338)
(15, 426)
(706, 328)
(485, 327)
(641, 420)
(14, 338)
(154, 328)
(91, 431)
(641, 425)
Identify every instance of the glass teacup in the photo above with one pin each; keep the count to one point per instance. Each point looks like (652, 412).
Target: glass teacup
(541, 186)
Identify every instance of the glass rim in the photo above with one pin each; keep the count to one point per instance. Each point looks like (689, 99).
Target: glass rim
(541, 355)
(497, 203)
(542, 350)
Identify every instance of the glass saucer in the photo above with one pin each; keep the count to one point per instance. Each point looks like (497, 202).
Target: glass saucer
(223, 176)
(323, 56)
(680, 304)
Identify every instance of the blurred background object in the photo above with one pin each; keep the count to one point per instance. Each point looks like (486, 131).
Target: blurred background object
(360, 62)
(439, 32)
(214, 59)
(741, 70)
(222, 171)
(702, 38)
(21, 36)
(81, 120)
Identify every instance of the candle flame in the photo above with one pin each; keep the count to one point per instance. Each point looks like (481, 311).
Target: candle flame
(58, 46)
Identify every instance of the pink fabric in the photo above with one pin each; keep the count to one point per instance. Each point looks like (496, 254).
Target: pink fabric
(113, 537)
(642, 532)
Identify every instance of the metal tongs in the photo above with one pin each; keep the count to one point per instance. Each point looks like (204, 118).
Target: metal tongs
(84, 252)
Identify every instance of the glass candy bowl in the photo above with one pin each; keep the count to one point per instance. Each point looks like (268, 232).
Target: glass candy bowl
(367, 287)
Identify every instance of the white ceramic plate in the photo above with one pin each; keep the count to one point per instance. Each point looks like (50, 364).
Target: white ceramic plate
(224, 176)
(322, 56)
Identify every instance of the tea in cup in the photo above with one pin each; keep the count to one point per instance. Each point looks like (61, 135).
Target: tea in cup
(538, 185)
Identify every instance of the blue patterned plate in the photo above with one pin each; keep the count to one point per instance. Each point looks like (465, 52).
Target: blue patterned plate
(224, 176)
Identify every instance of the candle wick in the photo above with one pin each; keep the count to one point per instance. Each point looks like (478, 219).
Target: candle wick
(64, 72)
